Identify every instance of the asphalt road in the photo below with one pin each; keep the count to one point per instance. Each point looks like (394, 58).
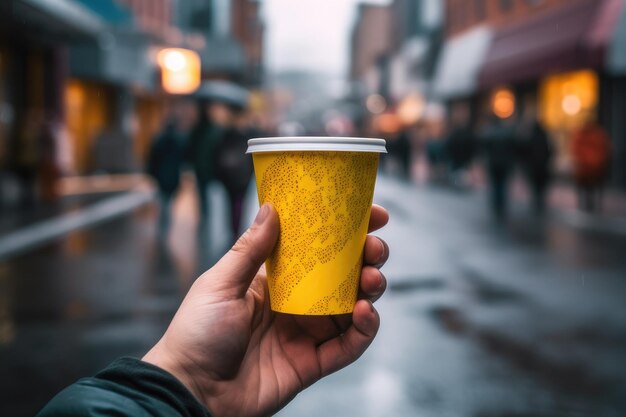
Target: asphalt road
(481, 319)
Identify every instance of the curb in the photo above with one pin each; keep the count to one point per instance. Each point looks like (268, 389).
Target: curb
(37, 234)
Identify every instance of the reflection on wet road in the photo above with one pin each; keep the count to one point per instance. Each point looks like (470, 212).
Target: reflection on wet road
(480, 319)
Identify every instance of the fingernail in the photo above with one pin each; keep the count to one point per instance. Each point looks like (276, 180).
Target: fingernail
(382, 252)
(381, 284)
(262, 214)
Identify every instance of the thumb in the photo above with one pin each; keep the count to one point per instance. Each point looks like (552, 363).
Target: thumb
(234, 272)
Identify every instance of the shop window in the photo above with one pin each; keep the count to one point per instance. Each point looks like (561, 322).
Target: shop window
(480, 9)
(506, 5)
(88, 110)
(566, 102)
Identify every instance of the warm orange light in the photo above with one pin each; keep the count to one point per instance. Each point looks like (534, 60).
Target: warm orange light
(387, 123)
(571, 104)
(411, 109)
(567, 100)
(503, 103)
(180, 70)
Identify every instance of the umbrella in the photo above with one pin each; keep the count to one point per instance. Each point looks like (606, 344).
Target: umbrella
(223, 91)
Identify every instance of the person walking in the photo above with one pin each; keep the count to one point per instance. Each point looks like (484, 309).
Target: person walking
(590, 150)
(536, 159)
(460, 144)
(164, 164)
(499, 149)
(233, 168)
(207, 132)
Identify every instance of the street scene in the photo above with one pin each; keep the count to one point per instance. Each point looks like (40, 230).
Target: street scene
(124, 177)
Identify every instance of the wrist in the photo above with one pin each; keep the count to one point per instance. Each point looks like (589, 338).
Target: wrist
(157, 357)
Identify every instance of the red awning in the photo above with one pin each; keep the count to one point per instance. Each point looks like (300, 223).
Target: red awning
(569, 38)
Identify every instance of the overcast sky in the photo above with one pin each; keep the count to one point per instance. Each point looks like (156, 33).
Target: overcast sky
(309, 34)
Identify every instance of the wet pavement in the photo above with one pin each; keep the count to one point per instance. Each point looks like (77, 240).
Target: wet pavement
(481, 319)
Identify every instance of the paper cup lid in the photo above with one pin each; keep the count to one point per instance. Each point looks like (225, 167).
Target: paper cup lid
(313, 143)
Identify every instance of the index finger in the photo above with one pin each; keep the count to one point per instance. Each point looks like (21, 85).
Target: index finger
(378, 218)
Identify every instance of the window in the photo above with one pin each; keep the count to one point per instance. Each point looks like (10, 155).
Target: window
(453, 16)
(506, 5)
(480, 9)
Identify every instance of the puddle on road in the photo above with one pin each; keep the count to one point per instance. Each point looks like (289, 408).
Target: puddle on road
(449, 318)
(488, 292)
(573, 376)
(410, 284)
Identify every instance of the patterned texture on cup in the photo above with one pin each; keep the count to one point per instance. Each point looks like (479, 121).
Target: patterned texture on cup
(323, 200)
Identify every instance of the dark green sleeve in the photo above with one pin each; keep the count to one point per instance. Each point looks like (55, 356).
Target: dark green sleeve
(128, 387)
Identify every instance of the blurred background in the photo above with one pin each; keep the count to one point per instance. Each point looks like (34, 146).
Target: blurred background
(123, 126)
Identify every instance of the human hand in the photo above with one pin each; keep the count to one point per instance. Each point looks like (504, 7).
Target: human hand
(237, 356)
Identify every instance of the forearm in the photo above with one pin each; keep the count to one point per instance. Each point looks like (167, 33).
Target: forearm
(128, 387)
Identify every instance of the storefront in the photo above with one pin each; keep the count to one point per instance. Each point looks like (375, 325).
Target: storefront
(560, 59)
(149, 115)
(566, 102)
(33, 67)
(456, 75)
(89, 109)
(460, 62)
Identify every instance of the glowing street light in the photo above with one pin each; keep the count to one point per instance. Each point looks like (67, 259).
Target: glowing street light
(571, 104)
(503, 103)
(180, 70)
(174, 60)
(411, 109)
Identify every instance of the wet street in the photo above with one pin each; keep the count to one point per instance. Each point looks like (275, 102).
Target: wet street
(481, 319)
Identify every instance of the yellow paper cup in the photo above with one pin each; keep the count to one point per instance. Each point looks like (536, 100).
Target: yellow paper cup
(322, 189)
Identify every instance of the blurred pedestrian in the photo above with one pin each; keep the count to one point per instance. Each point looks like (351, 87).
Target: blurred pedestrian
(536, 154)
(205, 135)
(460, 144)
(460, 148)
(435, 154)
(590, 150)
(164, 165)
(233, 168)
(498, 140)
(433, 134)
(403, 153)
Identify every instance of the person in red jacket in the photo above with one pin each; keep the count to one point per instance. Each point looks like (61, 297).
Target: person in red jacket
(590, 151)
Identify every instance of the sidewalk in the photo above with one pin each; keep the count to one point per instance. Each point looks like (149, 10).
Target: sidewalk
(84, 201)
(562, 200)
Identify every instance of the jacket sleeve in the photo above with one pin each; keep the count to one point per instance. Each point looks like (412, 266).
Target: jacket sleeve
(127, 387)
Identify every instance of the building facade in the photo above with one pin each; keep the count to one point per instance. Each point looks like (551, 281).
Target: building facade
(392, 54)
(393, 47)
(370, 41)
(89, 71)
(553, 57)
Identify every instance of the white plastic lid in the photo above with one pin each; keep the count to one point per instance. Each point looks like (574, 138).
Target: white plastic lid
(316, 143)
